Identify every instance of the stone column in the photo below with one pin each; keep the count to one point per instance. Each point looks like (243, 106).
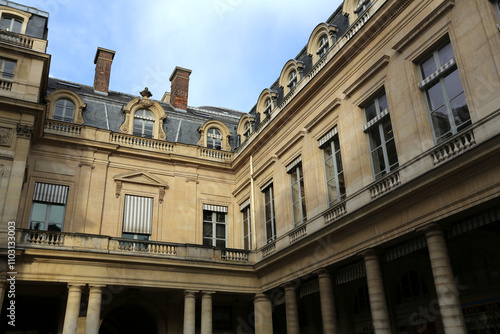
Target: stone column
(94, 310)
(449, 303)
(206, 312)
(378, 303)
(263, 309)
(292, 313)
(72, 308)
(189, 311)
(328, 313)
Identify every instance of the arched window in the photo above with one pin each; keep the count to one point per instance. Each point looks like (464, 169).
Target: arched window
(11, 23)
(248, 130)
(214, 139)
(323, 46)
(292, 79)
(144, 122)
(267, 107)
(64, 110)
(410, 287)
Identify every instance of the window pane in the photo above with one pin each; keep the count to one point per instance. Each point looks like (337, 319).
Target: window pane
(453, 84)
(338, 160)
(329, 169)
(445, 54)
(37, 226)
(382, 102)
(387, 127)
(296, 213)
(391, 154)
(207, 215)
(207, 230)
(295, 192)
(207, 242)
(220, 231)
(376, 141)
(440, 122)
(220, 243)
(460, 110)
(221, 217)
(16, 27)
(332, 190)
(436, 98)
(428, 67)
(341, 185)
(38, 212)
(370, 111)
(268, 211)
(378, 160)
(56, 214)
(55, 227)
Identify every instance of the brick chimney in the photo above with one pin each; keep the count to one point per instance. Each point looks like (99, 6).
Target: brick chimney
(179, 88)
(103, 59)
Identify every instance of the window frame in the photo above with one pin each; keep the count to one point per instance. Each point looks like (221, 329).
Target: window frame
(269, 221)
(331, 142)
(377, 124)
(292, 79)
(49, 192)
(299, 202)
(439, 76)
(361, 7)
(7, 75)
(13, 18)
(212, 141)
(143, 120)
(136, 235)
(322, 45)
(213, 238)
(64, 117)
(246, 218)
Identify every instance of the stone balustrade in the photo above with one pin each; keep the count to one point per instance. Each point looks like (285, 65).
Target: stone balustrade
(63, 128)
(16, 39)
(142, 143)
(5, 85)
(452, 147)
(335, 213)
(298, 233)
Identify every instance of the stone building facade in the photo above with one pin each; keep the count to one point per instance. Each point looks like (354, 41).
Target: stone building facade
(359, 195)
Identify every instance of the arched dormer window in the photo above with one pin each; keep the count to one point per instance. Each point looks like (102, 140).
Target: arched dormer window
(291, 75)
(144, 122)
(13, 20)
(65, 105)
(215, 135)
(292, 79)
(214, 139)
(245, 127)
(144, 117)
(266, 103)
(64, 110)
(321, 40)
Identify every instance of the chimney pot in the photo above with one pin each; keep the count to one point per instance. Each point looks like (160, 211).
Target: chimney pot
(179, 87)
(102, 60)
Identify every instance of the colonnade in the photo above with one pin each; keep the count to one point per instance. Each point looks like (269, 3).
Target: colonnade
(449, 303)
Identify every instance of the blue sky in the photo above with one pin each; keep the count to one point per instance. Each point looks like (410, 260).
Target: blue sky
(235, 48)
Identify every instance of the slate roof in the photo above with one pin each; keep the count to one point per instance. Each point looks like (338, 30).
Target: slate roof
(105, 112)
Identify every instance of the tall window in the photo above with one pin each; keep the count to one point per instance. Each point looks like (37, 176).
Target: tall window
(381, 137)
(298, 192)
(137, 217)
(11, 23)
(214, 139)
(64, 110)
(334, 172)
(267, 108)
(247, 240)
(7, 68)
(49, 207)
(214, 226)
(247, 131)
(444, 93)
(292, 79)
(144, 122)
(323, 46)
(269, 213)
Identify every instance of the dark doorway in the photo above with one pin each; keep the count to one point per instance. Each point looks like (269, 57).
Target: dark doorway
(128, 319)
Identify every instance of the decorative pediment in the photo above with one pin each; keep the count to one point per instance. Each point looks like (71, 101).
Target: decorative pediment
(143, 178)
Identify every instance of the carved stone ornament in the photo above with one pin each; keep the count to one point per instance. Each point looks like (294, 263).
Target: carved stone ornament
(162, 194)
(5, 136)
(118, 188)
(25, 131)
(145, 101)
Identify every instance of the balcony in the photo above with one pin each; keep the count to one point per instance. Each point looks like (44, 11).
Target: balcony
(23, 41)
(80, 242)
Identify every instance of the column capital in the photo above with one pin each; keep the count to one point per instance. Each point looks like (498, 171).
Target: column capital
(207, 294)
(429, 228)
(75, 286)
(288, 286)
(261, 297)
(322, 272)
(369, 254)
(96, 288)
(190, 293)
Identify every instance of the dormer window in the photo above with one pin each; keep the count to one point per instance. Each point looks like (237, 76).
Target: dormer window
(361, 7)
(214, 139)
(7, 68)
(267, 108)
(11, 23)
(292, 79)
(248, 130)
(144, 122)
(323, 46)
(64, 110)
